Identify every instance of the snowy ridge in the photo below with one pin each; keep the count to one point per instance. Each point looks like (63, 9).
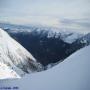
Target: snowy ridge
(66, 36)
(16, 56)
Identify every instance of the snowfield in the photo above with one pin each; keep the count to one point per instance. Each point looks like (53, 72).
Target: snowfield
(71, 74)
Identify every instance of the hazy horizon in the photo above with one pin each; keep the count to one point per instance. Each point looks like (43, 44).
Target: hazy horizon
(68, 13)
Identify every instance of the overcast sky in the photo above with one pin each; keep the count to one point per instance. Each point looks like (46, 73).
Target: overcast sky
(61, 8)
(36, 11)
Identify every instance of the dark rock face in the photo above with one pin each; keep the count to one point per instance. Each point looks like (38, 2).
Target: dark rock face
(79, 43)
(45, 50)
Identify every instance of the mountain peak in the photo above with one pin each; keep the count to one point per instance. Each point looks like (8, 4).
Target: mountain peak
(16, 56)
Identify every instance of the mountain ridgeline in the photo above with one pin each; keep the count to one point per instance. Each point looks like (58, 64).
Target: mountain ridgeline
(45, 44)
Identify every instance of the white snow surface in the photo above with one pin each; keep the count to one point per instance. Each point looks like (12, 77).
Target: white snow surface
(15, 56)
(71, 74)
(6, 72)
(7, 42)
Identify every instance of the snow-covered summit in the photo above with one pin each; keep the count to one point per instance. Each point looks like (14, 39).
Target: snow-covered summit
(15, 56)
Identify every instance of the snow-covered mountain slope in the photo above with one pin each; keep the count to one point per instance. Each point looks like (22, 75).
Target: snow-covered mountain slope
(7, 72)
(65, 35)
(80, 43)
(72, 74)
(85, 39)
(15, 56)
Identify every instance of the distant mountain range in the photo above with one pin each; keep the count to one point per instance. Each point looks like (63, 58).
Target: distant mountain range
(47, 44)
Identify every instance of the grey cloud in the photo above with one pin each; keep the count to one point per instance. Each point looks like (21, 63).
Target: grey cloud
(81, 22)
